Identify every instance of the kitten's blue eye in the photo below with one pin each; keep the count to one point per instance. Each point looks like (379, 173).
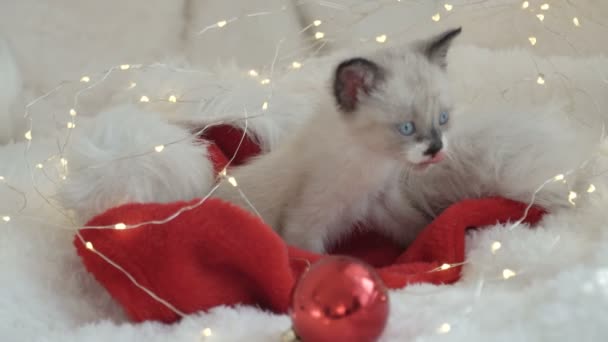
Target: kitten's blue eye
(407, 128)
(444, 117)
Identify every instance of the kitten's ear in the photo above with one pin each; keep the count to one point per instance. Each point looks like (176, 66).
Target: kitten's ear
(436, 48)
(355, 78)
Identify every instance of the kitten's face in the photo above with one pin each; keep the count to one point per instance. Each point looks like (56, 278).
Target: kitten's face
(401, 106)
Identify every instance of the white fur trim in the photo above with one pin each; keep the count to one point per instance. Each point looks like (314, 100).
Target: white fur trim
(97, 181)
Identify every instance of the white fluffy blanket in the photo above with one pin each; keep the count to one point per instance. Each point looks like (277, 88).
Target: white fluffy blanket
(559, 293)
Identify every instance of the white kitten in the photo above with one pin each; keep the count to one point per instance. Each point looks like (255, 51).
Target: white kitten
(389, 113)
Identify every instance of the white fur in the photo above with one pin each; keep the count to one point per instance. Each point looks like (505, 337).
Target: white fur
(120, 145)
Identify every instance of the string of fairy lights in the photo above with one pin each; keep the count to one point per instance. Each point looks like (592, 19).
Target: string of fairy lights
(320, 38)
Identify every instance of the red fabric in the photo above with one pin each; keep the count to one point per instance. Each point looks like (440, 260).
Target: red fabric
(218, 254)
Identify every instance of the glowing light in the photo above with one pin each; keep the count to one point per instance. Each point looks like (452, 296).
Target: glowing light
(532, 40)
(232, 181)
(448, 7)
(445, 267)
(544, 7)
(436, 17)
(571, 197)
(28, 135)
(120, 226)
(444, 328)
(540, 80)
(39, 166)
(85, 79)
(576, 22)
(172, 98)
(222, 23)
(159, 148)
(1, 178)
(89, 245)
(496, 245)
(296, 65)
(6, 218)
(317, 22)
(73, 112)
(253, 73)
(125, 67)
(64, 177)
(381, 38)
(206, 332)
(525, 5)
(132, 85)
(223, 173)
(507, 273)
(540, 17)
(559, 177)
(319, 35)
(144, 98)
(63, 162)
(265, 105)
(591, 188)
(265, 81)
(71, 125)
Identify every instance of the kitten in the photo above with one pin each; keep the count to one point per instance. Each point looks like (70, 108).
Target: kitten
(344, 164)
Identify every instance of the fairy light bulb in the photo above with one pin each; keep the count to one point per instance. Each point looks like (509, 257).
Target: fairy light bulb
(28, 135)
(444, 328)
(64, 177)
(132, 85)
(253, 73)
(559, 177)
(206, 332)
(319, 35)
(120, 226)
(125, 67)
(448, 7)
(89, 245)
(144, 98)
(507, 273)
(317, 22)
(85, 79)
(2, 178)
(496, 245)
(73, 112)
(296, 65)
(265, 81)
(436, 17)
(591, 188)
(39, 166)
(63, 162)
(525, 5)
(173, 98)
(232, 181)
(576, 22)
(544, 7)
(71, 125)
(6, 218)
(381, 38)
(222, 23)
(265, 105)
(445, 267)
(532, 40)
(159, 148)
(540, 16)
(540, 79)
(571, 197)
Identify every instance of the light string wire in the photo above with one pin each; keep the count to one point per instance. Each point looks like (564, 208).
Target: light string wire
(317, 45)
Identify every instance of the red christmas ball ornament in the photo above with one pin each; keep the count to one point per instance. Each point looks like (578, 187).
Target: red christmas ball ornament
(339, 299)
